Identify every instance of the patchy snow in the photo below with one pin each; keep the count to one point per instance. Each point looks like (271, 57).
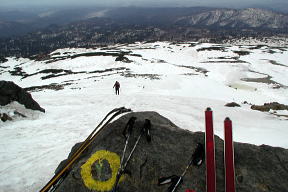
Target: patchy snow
(174, 80)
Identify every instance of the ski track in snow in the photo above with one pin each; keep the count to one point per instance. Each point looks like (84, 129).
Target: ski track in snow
(31, 148)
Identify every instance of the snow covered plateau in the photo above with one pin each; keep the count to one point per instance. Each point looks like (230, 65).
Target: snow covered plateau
(179, 81)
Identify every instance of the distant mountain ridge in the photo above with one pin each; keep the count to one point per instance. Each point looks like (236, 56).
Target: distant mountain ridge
(157, 17)
(251, 17)
(201, 16)
(103, 27)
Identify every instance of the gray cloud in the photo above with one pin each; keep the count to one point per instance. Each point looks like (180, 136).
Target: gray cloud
(162, 3)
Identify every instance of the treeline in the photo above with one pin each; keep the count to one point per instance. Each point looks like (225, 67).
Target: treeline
(89, 34)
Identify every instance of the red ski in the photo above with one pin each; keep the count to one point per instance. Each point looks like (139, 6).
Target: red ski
(229, 157)
(210, 152)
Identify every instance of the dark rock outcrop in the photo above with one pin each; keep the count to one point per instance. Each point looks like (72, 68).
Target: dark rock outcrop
(233, 104)
(268, 106)
(4, 117)
(10, 92)
(3, 59)
(258, 168)
(123, 59)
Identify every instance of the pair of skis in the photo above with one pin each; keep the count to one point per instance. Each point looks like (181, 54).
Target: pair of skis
(145, 130)
(210, 154)
(210, 158)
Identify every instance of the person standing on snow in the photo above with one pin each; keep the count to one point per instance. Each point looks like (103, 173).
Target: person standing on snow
(117, 87)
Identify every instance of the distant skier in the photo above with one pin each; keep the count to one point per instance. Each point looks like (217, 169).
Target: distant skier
(117, 87)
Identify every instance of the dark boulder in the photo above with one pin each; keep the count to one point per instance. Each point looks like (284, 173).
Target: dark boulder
(245, 102)
(270, 106)
(4, 117)
(258, 168)
(123, 59)
(3, 59)
(233, 104)
(10, 92)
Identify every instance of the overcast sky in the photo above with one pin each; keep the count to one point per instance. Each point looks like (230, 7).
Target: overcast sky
(149, 3)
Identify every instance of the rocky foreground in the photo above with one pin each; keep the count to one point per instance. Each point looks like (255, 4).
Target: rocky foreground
(258, 168)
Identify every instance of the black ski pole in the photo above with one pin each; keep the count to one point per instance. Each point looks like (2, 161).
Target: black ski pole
(126, 133)
(196, 159)
(145, 130)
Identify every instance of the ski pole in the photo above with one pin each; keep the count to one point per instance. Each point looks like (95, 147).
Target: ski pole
(144, 130)
(122, 169)
(128, 129)
(196, 159)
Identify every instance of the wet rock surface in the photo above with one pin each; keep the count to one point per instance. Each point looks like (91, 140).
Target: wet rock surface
(258, 168)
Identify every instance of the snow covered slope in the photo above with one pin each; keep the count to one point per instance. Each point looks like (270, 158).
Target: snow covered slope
(179, 81)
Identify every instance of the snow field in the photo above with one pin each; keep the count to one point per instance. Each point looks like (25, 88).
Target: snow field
(31, 148)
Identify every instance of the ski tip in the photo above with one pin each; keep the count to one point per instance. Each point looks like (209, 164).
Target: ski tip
(227, 119)
(126, 110)
(208, 109)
